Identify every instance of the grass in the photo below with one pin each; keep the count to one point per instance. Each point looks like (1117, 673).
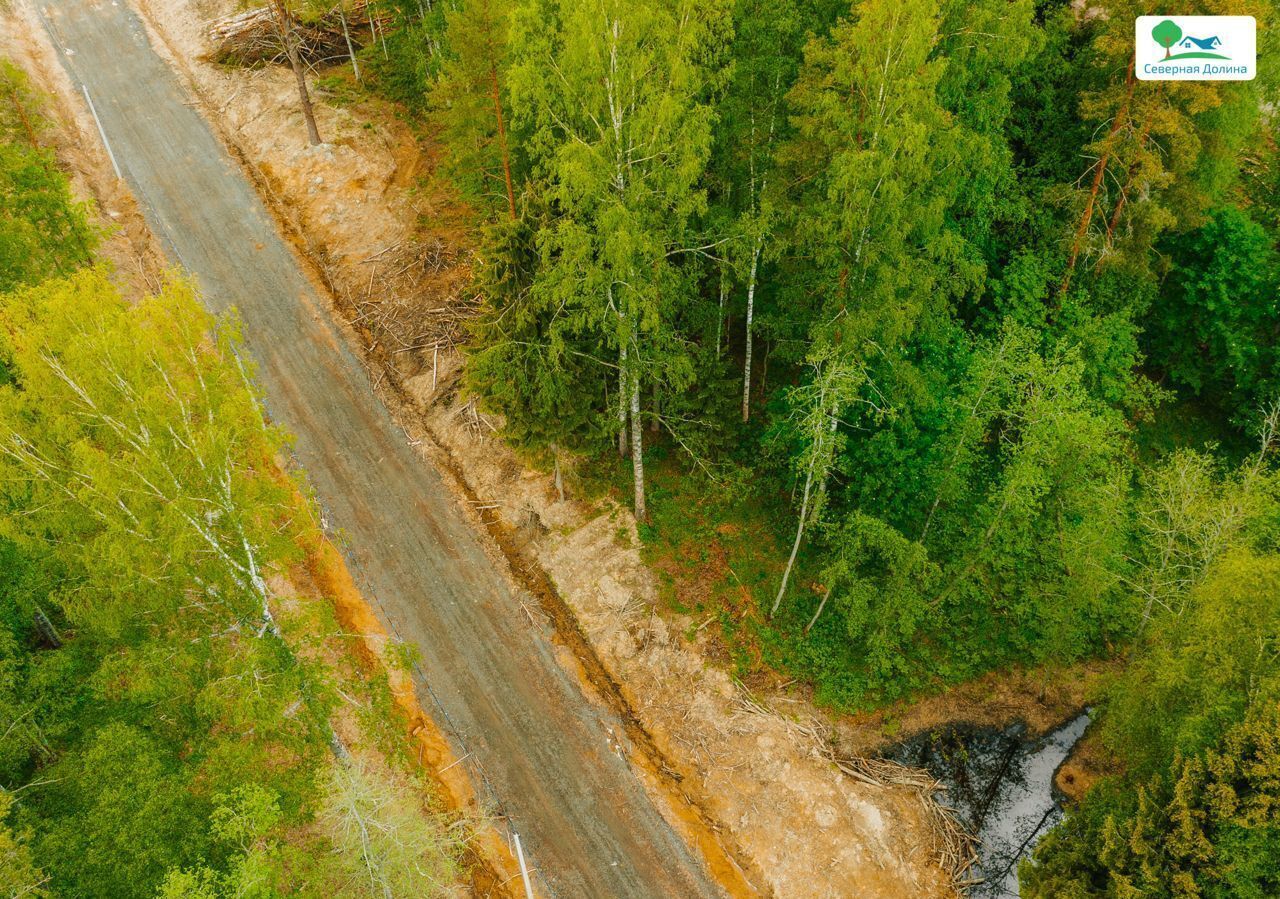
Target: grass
(718, 550)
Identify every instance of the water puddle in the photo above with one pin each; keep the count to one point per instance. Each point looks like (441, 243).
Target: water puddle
(1001, 785)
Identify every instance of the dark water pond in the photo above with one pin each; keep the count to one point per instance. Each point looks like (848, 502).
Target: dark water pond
(1000, 783)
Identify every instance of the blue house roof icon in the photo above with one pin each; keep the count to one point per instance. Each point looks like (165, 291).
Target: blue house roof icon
(1203, 43)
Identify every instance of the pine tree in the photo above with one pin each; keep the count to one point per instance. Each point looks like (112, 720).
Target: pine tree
(470, 99)
(1151, 166)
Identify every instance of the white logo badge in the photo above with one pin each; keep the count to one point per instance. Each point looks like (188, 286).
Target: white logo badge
(1196, 48)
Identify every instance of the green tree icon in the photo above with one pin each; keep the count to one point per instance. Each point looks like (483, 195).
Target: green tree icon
(1167, 34)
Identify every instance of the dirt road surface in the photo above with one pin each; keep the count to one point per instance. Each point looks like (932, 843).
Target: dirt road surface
(492, 679)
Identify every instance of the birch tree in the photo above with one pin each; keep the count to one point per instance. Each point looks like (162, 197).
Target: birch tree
(766, 55)
(388, 845)
(873, 157)
(1190, 516)
(837, 378)
(1033, 543)
(136, 438)
(872, 147)
(611, 96)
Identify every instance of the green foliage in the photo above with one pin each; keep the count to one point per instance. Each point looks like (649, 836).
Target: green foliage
(1208, 826)
(44, 231)
(883, 583)
(245, 821)
(402, 61)
(382, 839)
(140, 810)
(611, 105)
(168, 740)
(1214, 327)
(898, 190)
(19, 875)
(1195, 718)
(135, 435)
(21, 121)
(964, 495)
(530, 368)
(141, 498)
(471, 102)
(871, 225)
(1203, 669)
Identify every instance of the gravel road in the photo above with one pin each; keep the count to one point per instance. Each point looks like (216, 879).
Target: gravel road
(495, 685)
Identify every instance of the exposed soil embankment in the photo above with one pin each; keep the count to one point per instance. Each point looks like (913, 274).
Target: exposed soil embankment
(746, 779)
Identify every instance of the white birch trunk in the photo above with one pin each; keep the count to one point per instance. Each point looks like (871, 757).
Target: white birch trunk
(816, 615)
(819, 451)
(795, 546)
(637, 449)
(351, 50)
(622, 402)
(751, 304)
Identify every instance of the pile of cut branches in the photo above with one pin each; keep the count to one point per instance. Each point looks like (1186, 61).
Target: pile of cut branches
(253, 37)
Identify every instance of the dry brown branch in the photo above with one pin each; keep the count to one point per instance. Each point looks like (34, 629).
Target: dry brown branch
(401, 304)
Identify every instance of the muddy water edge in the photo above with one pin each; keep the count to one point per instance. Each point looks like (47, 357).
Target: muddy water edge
(1000, 782)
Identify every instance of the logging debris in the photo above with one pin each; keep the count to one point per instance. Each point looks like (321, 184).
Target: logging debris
(253, 37)
(953, 847)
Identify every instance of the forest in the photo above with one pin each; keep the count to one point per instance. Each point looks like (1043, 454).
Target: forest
(179, 713)
(971, 330)
(964, 339)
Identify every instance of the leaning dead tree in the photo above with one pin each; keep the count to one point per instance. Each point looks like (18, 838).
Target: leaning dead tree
(286, 26)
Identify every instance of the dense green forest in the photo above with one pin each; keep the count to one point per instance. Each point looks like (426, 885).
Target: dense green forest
(166, 715)
(973, 331)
